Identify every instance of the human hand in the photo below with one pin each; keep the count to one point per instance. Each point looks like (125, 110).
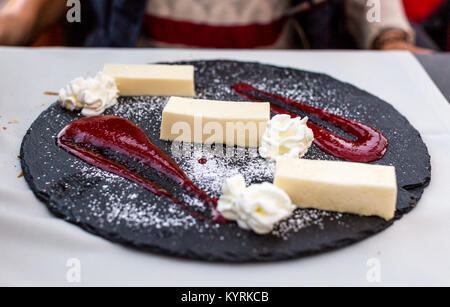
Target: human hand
(402, 45)
(397, 40)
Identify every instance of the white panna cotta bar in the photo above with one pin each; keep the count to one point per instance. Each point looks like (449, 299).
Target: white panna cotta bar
(211, 121)
(364, 189)
(152, 80)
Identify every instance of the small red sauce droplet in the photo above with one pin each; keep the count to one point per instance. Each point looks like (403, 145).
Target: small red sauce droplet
(202, 161)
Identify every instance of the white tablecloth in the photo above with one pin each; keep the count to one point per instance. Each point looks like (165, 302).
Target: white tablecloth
(35, 246)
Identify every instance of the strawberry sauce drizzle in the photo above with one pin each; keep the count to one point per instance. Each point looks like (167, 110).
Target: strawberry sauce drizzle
(121, 135)
(370, 144)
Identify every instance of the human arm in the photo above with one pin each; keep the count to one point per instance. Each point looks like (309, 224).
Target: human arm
(22, 20)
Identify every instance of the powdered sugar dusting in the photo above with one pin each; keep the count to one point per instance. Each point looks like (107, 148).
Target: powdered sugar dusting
(232, 161)
(302, 218)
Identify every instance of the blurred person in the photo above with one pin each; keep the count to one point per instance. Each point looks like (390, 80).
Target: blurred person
(316, 24)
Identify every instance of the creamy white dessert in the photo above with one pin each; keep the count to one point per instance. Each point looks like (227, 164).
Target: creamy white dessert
(286, 137)
(364, 189)
(212, 121)
(91, 95)
(153, 80)
(258, 207)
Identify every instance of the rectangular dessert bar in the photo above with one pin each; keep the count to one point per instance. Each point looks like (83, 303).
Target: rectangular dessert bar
(211, 121)
(152, 80)
(349, 187)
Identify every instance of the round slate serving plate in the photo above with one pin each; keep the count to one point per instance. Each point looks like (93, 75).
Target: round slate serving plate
(124, 212)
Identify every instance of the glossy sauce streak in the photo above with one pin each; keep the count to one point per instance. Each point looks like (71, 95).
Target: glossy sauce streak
(370, 144)
(121, 135)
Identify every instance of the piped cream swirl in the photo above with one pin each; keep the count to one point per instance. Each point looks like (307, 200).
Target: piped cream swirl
(91, 95)
(286, 136)
(258, 207)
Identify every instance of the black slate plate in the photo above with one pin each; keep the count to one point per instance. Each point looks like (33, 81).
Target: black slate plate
(121, 211)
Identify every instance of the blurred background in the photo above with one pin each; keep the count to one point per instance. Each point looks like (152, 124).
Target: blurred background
(421, 26)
